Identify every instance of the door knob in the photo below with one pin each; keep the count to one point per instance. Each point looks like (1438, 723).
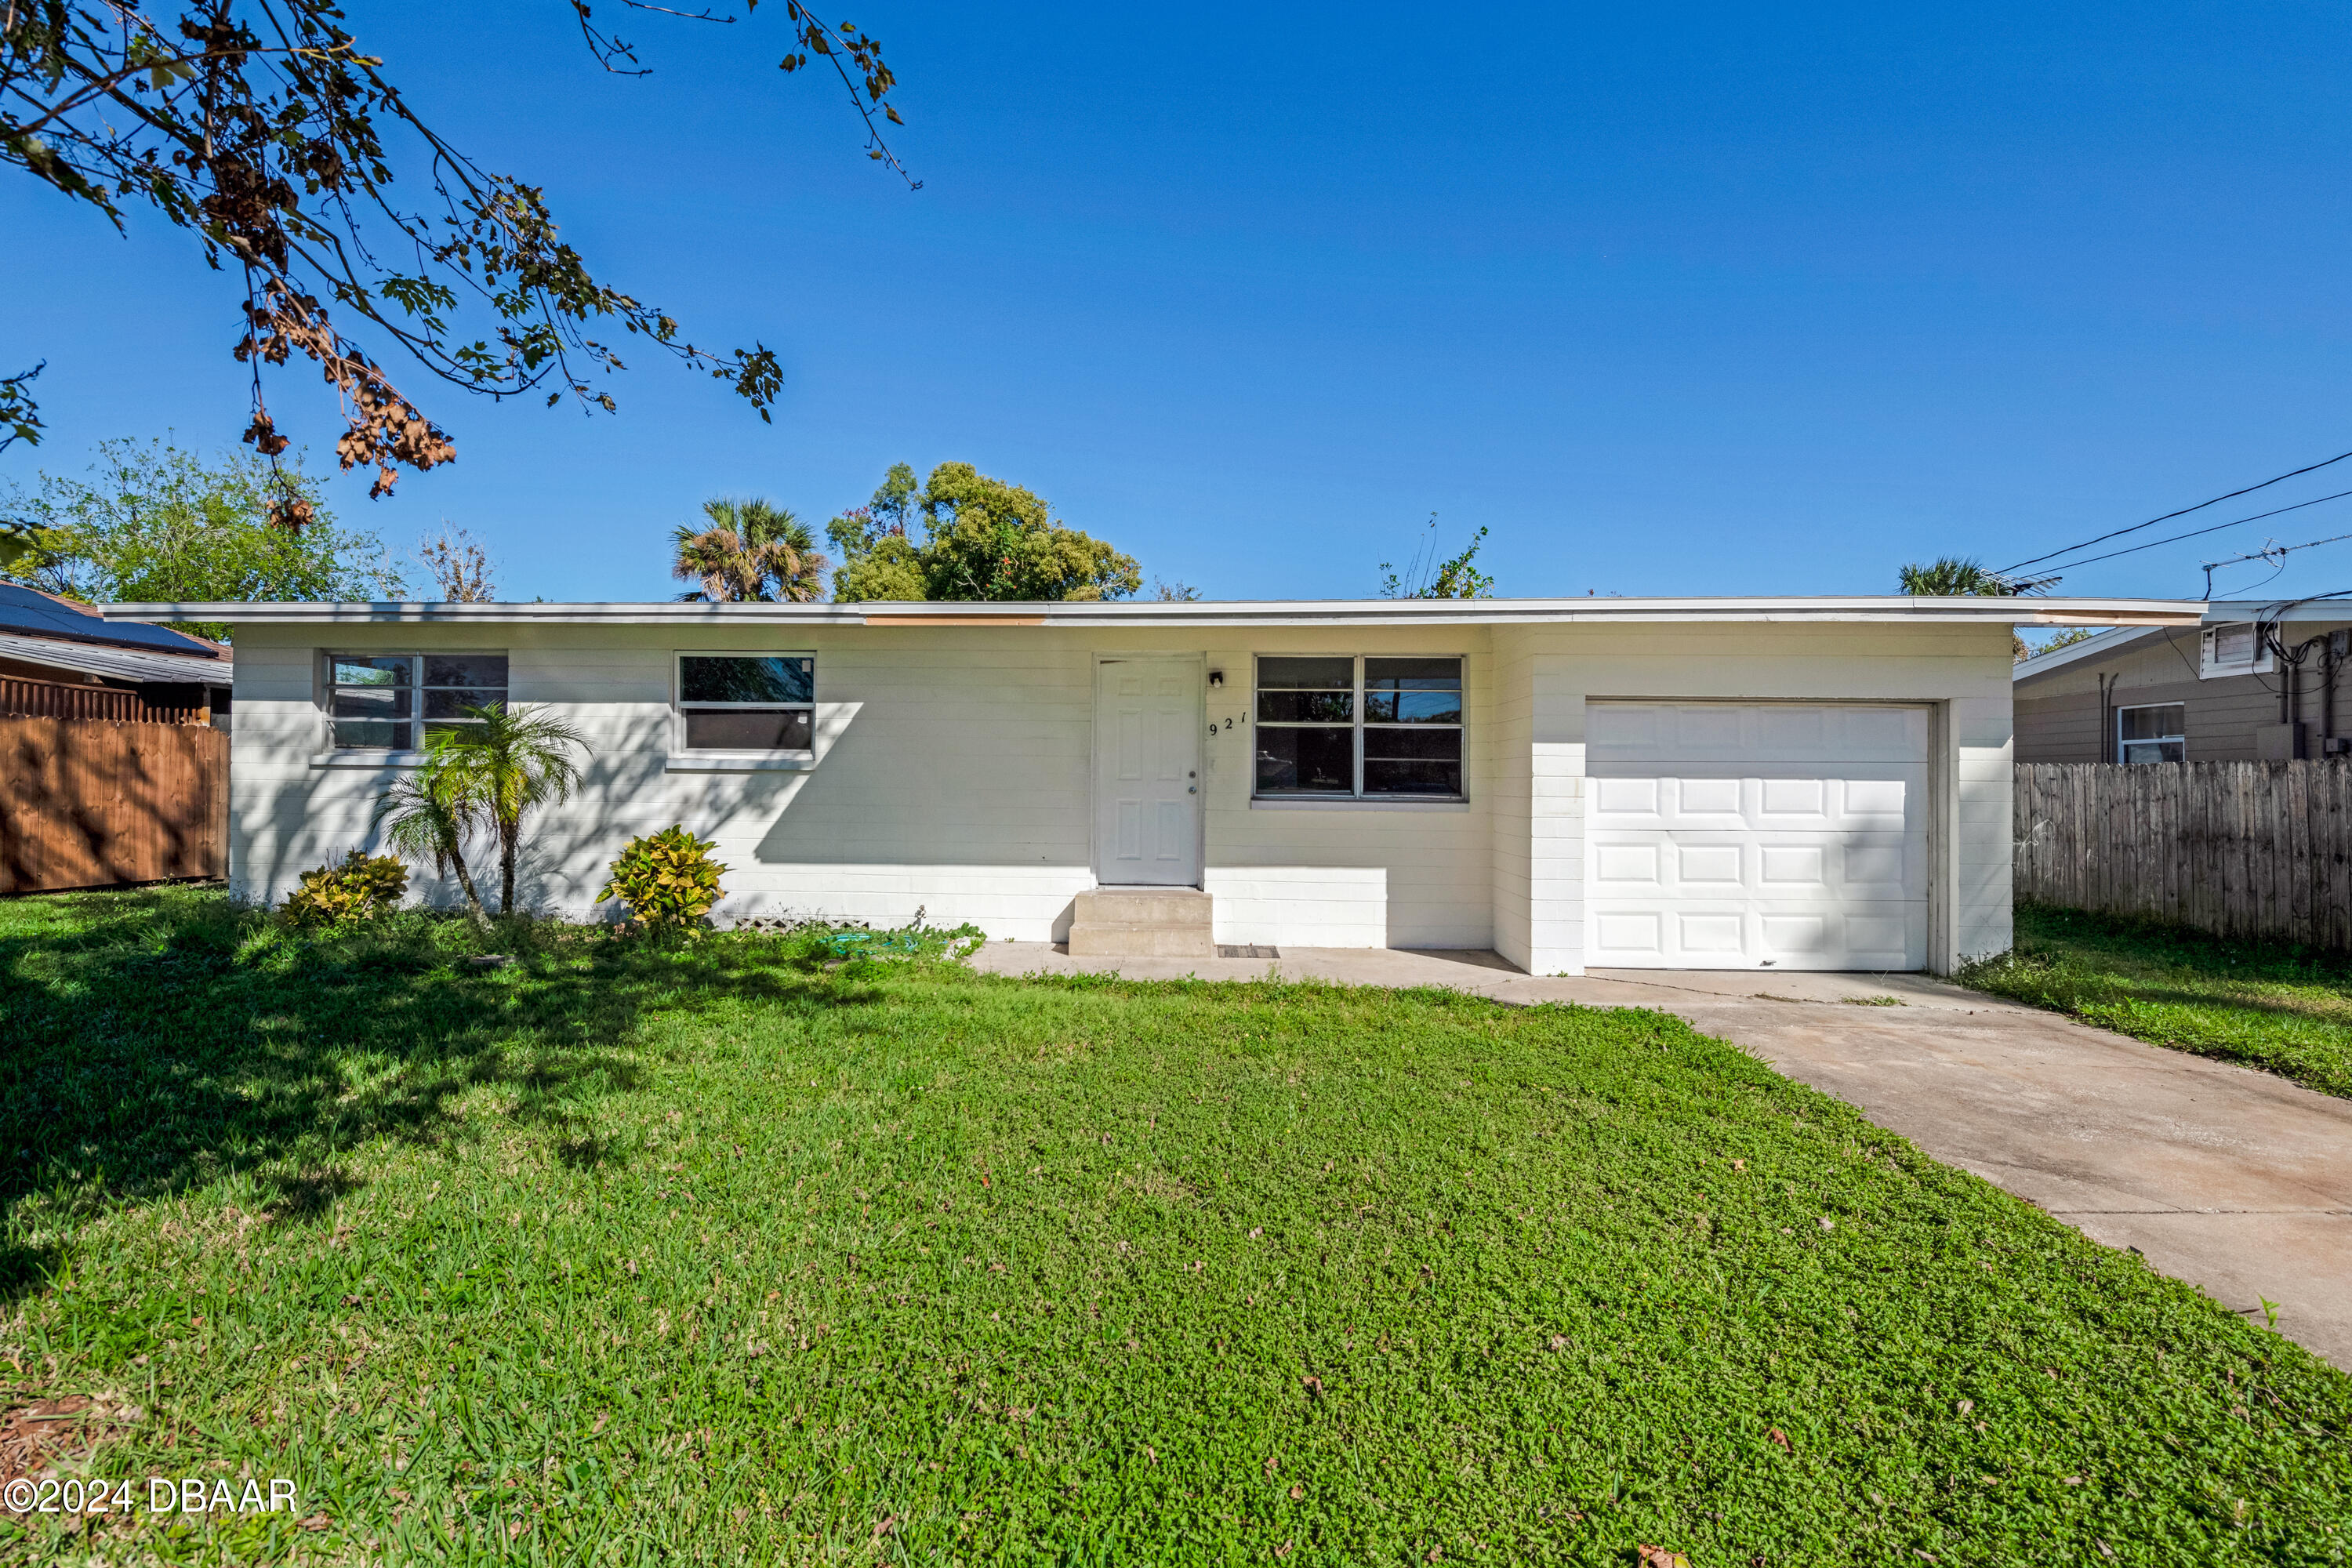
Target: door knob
(1191, 789)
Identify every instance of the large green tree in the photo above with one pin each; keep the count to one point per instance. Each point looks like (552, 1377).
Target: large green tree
(272, 134)
(149, 522)
(983, 539)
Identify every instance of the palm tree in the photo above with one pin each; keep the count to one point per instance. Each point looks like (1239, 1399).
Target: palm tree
(1964, 577)
(482, 775)
(425, 816)
(753, 550)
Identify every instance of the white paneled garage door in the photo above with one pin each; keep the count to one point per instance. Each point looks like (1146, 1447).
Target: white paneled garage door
(1752, 835)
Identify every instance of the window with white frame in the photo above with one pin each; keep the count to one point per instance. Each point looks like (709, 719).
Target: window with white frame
(2236, 647)
(2152, 732)
(1374, 726)
(747, 703)
(393, 701)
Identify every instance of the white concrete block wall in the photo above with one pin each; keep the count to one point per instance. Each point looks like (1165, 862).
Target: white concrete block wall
(954, 778)
(1510, 752)
(1556, 824)
(1965, 666)
(1415, 874)
(954, 774)
(1984, 802)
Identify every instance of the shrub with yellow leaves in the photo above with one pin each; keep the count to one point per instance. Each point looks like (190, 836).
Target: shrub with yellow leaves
(667, 879)
(361, 886)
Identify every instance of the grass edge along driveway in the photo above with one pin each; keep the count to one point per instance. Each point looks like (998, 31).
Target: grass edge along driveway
(624, 1255)
(2270, 1005)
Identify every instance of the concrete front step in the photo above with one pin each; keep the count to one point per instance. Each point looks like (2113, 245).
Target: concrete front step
(1142, 922)
(1143, 906)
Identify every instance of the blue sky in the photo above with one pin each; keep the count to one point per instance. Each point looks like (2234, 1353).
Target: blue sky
(1698, 300)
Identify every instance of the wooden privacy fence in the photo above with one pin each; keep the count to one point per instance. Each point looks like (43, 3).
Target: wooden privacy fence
(55, 700)
(89, 804)
(2236, 849)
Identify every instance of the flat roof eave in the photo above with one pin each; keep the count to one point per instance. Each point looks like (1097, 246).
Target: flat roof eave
(1899, 609)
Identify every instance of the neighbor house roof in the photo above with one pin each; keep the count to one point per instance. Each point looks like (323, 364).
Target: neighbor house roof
(29, 611)
(2216, 612)
(115, 663)
(1902, 608)
(42, 628)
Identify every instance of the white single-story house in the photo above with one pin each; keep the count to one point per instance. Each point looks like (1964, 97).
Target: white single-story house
(1724, 782)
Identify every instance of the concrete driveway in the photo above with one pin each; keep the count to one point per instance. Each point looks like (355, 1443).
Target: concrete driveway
(2231, 1179)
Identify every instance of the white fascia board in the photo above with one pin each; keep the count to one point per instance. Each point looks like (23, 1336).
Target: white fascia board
(1883, 608)
(2229, 611)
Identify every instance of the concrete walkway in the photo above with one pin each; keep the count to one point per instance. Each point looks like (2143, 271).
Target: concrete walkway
(2228, 1178)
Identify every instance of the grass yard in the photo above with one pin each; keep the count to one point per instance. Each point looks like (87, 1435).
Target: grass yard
(619, 1254)
(2268, 1005)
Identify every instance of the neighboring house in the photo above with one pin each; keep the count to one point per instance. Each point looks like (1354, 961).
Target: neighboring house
(2216, 691)
(1800, 784)
(48, 642)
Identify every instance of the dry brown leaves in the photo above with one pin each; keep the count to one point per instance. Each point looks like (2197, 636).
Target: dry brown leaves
(33, 1436)
(382, 427)
(1659, 1557)
(1777, 1435)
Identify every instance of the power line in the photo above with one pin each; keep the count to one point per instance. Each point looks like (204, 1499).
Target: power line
(2193, 533)
(2184, 511)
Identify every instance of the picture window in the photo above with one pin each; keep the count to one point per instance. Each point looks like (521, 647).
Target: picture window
(394, 701)
(747, 703)
(1376, 727)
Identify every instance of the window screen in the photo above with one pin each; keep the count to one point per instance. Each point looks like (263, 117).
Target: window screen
(747, 703)
(1373, 726)
(380, 702)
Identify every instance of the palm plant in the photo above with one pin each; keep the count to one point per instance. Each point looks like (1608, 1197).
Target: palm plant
(513, 761)
(427, 817)
(1962, 577)
(482, 775)
(753, 550)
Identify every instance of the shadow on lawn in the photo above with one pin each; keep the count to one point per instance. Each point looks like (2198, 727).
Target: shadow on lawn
(2072, 983)
(2153, 992)
(162, 1039)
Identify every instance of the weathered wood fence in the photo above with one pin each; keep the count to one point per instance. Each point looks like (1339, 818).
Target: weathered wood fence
(85, 803)
(2236, 849)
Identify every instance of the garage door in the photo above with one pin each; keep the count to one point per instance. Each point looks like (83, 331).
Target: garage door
(1755, 836)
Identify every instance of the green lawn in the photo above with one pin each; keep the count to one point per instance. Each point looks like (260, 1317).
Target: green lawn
(2268, 1005)
(620, 1255)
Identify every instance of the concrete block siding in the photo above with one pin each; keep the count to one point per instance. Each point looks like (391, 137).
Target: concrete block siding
(953, 769)
(954, 774)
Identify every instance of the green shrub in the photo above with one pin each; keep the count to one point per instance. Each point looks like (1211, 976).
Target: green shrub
(667, 878)
(362, 886)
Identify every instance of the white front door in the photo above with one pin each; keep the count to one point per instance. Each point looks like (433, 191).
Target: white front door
(1148, 772)
(1755, 835)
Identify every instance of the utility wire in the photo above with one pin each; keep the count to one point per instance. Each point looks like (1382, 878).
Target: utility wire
(2193, 533)
(2184, 511)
